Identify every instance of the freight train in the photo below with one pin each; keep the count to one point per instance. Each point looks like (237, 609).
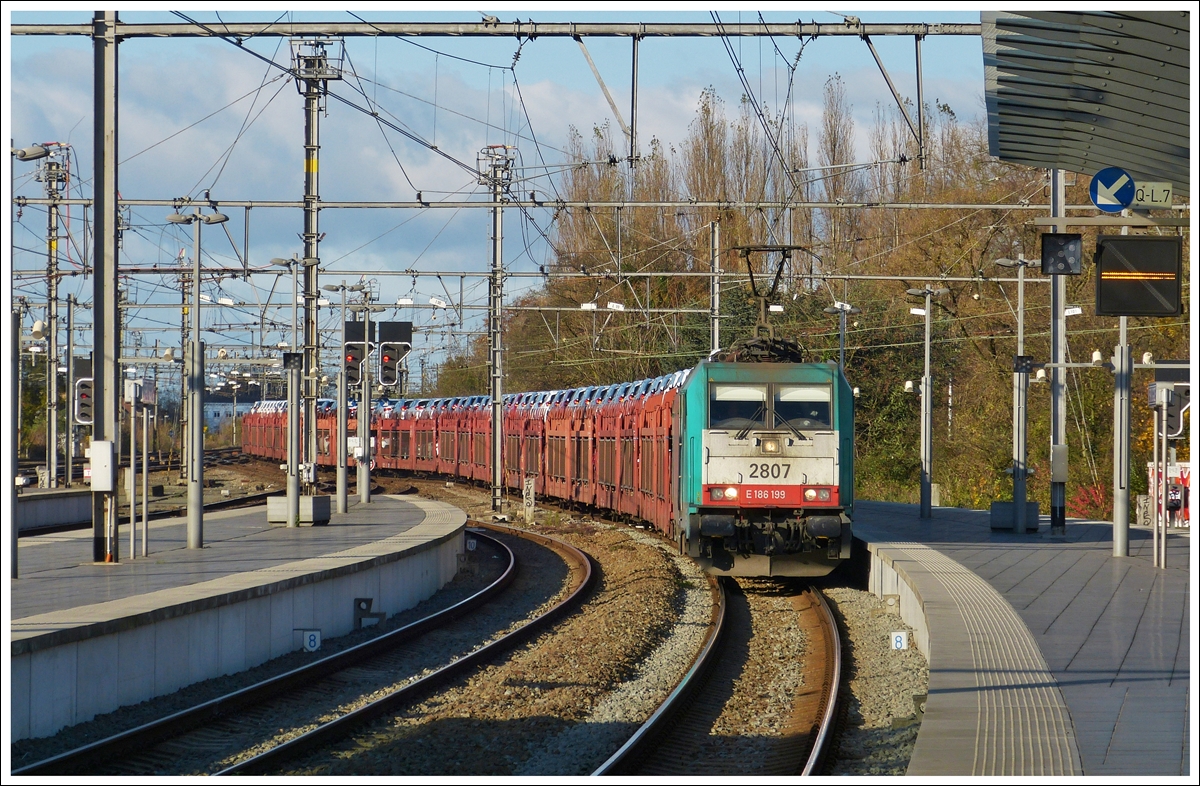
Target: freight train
(747, 463)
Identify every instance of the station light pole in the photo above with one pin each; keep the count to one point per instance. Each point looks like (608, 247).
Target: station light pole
(927, 404)
(842, 309)
(1022, 366)
(292, 370)
(194, 363)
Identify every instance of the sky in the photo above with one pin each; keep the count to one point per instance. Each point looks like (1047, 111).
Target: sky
(201, 115)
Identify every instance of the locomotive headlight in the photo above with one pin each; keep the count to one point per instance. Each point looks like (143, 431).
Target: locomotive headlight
(731, 493)
(810, 494)
(816, 495)
(769, 446)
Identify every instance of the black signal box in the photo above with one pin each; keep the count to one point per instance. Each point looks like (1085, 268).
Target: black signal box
(357, 332)
(396, 332)
(1062, 254)
(1139, 276)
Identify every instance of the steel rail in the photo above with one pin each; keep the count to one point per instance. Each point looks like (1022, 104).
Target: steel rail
(80, 760)
(340, 727)
(809, 745)
(641, 740)
(493, 29)
(821, 744)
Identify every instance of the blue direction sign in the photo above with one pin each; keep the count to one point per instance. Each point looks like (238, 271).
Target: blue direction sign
(1112, 189)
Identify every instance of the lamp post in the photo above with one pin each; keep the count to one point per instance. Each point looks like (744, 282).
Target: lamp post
(292, 264)
(927, 404)
(293, 402)
(342, 418)
(842, 309)
(195, 374)
(1021, 368)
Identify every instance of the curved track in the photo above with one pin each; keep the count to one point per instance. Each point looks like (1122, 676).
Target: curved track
(148, 749)
(667, 743)
(582, 578)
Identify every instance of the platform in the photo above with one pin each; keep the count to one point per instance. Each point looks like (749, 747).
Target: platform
(1047, 656)
(87, 638)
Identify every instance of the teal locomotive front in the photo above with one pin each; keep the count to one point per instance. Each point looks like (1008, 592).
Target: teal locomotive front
(766, 454)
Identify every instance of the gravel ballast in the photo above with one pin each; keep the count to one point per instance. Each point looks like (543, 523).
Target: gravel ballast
(496, 720)
(881, 720)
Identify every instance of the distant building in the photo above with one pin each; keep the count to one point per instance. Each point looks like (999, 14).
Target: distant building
(217, 412)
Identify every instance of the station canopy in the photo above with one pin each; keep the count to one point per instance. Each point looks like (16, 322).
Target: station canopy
(1082, 91)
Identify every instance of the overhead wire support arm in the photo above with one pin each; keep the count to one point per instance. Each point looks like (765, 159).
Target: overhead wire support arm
(603, 87)
(917, 133)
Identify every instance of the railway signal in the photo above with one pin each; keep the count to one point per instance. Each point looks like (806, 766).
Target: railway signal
(390, 355)
(353, 354)
(84, 401)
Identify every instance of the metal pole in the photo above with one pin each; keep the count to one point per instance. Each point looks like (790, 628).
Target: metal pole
(133, 479)
(633, 155)
(842, 340)
(495, 304)
(1020, 414)
(364, 410)
(1123, 379)
(195, 517)
(316, 65)
(927, 420)
(1154, 487)
(106, 336)
(69, 475)
(920, 105)
(715, 287)
(1058, 390)
(52, 172)
(293, 448)
(1123, 368)
(1164, 484)
(342, 502)
(145, 479)
(14, 360)
(293, 421)
(295, 297)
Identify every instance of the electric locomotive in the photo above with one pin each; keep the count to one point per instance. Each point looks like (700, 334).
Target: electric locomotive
(746, 460)
(766, 468)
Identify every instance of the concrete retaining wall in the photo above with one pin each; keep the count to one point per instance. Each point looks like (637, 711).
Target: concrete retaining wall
(66, 669)
(887, 578)
(54, 507)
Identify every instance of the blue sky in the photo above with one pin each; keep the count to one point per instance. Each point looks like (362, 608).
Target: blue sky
(251, 146)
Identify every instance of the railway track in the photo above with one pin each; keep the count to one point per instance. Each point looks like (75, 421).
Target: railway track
(241, 720)
(673, 741)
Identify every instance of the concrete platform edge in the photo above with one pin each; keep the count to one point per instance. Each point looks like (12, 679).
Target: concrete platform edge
(32, 642)
(994, 707)
(55, 686)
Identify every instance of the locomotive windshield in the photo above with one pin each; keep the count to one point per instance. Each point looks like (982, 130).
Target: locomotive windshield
(803, 406)
(748, 407)
(737, 406)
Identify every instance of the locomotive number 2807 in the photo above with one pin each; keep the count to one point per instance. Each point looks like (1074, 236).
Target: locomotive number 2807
(769, 470)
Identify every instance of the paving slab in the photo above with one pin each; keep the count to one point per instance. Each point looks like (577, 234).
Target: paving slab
(1110, 642)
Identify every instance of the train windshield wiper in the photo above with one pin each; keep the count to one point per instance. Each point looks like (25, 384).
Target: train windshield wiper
(792, 428)
(753, 422)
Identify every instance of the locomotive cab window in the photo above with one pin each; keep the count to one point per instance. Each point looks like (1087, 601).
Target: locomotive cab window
(737, 406)
(803, 406)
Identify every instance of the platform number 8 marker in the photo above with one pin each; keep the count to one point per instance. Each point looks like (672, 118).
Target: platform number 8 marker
(900, 640)
(312, 640)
